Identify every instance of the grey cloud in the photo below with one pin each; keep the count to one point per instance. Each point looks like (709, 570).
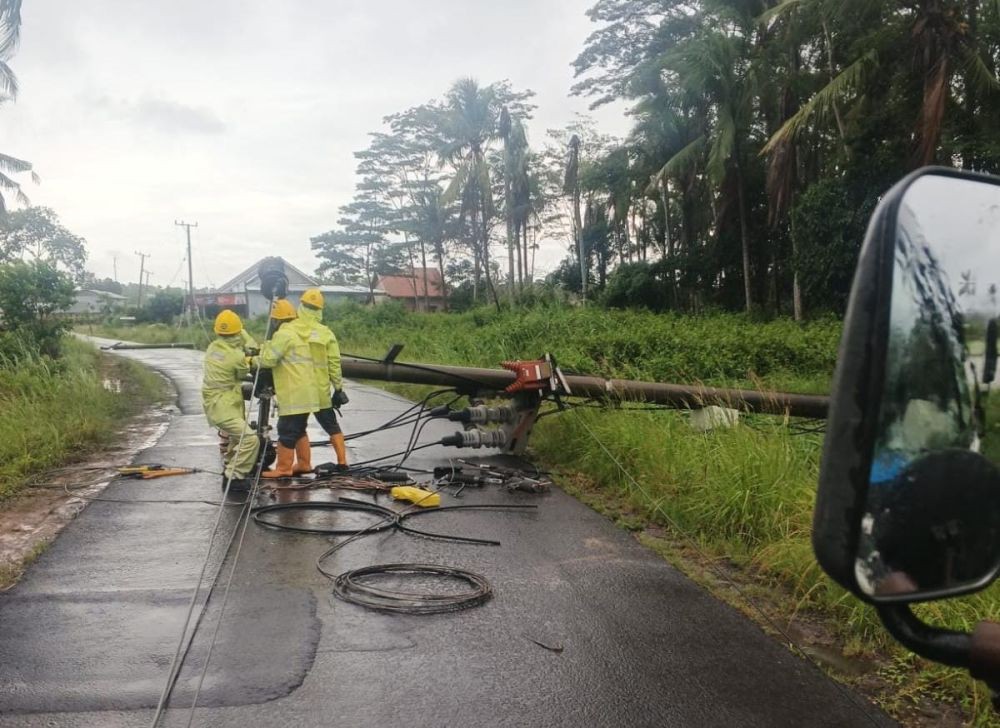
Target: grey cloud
(163, 115)
(173, 117)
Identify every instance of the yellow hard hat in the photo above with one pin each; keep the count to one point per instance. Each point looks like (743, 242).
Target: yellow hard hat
(282, 310)
(228, 323)
(313, 297)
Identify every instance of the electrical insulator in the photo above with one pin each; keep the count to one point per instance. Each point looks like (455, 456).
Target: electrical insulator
(483, 415)
(477, 439)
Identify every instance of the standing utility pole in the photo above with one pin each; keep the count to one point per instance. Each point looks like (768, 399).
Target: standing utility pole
(192, 306)
(114, 263)
(142, 269)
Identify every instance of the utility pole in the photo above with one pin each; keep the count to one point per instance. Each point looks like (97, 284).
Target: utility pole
(142, 270)
(114, 264)
(192, 306)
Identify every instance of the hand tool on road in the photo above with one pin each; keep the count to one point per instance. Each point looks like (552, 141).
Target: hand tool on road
(154, 470)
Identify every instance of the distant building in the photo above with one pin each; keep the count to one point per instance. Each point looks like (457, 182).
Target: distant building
(242, 293)
(94, 303)
(408, 288)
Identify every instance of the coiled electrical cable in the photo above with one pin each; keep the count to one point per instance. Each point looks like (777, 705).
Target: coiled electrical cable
(389, 517)
(355, 587)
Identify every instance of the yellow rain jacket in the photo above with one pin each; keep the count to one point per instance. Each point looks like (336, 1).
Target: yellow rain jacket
(289, 355)
(225, 369)
(222, 398)
(325, 353)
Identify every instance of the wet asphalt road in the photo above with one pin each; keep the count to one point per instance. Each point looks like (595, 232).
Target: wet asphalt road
(87, 637)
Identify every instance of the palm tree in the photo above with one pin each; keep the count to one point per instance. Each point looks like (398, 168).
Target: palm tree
(716, 67)
(571, 186)
(10, 28)
(942, 47)
(519, 192)
(468, 124)
(509, 154)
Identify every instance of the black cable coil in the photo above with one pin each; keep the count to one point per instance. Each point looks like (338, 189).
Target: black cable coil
(351, 587)
(388, 516)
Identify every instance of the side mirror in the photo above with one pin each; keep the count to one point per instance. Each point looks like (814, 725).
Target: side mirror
(908, 506)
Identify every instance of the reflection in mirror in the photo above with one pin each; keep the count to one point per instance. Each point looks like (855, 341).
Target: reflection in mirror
(932, 517)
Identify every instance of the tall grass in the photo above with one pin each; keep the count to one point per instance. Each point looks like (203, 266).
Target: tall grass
(720, 349)
(57, 410)
(714, 349)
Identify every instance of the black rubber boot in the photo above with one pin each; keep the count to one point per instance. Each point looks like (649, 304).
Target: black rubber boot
(239, 485)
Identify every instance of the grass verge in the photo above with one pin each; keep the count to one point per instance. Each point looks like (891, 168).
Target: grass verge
(57, 411)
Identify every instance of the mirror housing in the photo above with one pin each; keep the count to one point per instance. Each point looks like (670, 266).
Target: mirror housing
(930, 328)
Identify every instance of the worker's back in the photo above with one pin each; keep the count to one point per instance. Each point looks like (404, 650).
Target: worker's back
(289, 355)
(324, 351)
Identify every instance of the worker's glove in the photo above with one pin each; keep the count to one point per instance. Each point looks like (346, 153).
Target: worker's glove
(251, 351)
(339, 398)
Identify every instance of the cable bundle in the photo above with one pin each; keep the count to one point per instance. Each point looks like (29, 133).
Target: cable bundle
(354, 586)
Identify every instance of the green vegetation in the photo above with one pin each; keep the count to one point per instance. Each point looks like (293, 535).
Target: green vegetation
(57, 410)
(764, 134)
(716, 349)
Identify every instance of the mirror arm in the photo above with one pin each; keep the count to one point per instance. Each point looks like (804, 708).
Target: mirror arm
(940, 645)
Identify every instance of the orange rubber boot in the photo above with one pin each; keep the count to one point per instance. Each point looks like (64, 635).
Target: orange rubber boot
(303, 456)
(283, 465)
(339, 447)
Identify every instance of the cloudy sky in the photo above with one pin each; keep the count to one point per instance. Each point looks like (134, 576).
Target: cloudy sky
(243, 114)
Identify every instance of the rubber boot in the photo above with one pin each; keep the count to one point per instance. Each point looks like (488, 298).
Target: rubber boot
(303, 456)
(240, 485)
(283, 464)
(340, 447)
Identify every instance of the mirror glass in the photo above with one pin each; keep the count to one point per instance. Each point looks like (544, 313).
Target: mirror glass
(932, 518)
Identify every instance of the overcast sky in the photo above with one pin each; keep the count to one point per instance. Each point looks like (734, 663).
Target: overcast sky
(243, 114)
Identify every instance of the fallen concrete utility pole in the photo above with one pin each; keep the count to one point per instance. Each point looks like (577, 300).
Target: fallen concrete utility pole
(670, 395)
(120, 346)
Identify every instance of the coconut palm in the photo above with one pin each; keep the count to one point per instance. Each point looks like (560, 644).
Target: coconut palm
(469, 122)
(942, 49)
(519, 193)
(10, 28)
(716, 67)
(571, 186)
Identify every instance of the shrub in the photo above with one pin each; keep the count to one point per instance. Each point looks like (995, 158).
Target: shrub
(30, 293)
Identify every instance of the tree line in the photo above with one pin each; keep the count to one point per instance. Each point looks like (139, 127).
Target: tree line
(763, 134)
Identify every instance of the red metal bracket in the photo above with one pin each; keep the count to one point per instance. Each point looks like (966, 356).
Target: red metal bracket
(531, 375)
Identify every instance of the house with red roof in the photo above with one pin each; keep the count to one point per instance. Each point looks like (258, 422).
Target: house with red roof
(419, 289)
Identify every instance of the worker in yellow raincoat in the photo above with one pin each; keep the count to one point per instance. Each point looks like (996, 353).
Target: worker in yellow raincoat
(226, 367)
(305, 358)
(326, 367)
(288, 356)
